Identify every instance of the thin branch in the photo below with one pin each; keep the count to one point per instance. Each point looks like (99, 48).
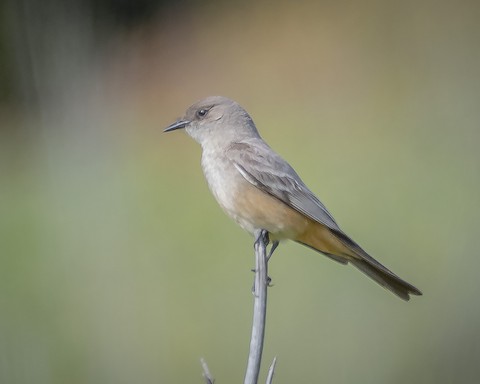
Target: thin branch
(259, 314)
(271, 371)
(206, 372)
(259, 307)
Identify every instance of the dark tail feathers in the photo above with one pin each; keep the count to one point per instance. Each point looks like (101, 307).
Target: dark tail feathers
(386, 278)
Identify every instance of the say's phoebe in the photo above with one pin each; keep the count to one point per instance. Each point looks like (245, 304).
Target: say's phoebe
(260, 190)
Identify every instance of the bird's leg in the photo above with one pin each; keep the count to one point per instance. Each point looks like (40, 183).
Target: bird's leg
(262, 238)
(274, 246)
(261, 235)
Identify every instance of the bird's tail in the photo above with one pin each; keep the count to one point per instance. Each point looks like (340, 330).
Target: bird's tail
(386, 278)
(338, 246)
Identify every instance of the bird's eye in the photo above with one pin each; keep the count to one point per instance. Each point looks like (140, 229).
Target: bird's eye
(202, 112)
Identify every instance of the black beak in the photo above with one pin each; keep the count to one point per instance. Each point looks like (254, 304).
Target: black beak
(177, 125)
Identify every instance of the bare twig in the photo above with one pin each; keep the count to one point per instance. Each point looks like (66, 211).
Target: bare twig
(206, 372)
(259, 314)
(259, 307)
(271, 371)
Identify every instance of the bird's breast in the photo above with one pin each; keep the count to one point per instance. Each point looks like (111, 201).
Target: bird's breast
(221, 177)
(248, 205)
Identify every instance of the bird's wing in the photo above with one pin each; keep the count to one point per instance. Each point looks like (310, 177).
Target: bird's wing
(266, 170)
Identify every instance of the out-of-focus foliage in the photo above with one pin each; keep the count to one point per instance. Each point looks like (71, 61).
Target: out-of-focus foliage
(116, 265)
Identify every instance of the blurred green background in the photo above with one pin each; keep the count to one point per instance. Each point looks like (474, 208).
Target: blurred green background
(116, 264)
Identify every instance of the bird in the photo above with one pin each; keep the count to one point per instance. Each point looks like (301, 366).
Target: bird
(259, 190)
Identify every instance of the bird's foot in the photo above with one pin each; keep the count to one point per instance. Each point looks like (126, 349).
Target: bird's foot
(272, 249)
